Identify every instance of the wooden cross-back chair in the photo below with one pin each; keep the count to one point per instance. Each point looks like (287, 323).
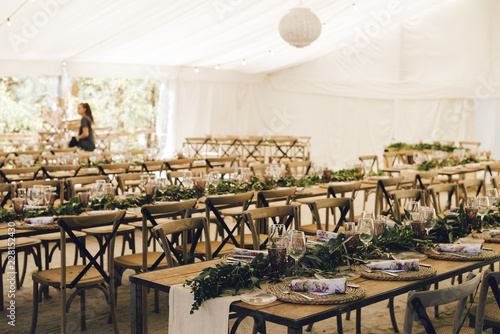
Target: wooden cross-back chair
(9, 175)
(436, 191)
(226, 145)
(419, 301)
(370, 163)
(469, 144)
(7, 192)
(129, 182)
(84, 181)
(60, 171)
(285, 215)
(196, 146)
(224, 207)
(391, 158)
(422, 181)
(399, 195)
(221, 162)
(495, 181)
(175, 178)
(345, 206)
(250, 149)
(297, 168)
(114, 168)
(152, 216)
(259, 170)
(81, 277)
(197, 226)
(383, 201)
(64, 150)
(472, 187)
(178, 164)
(487, 313)
(153, 166)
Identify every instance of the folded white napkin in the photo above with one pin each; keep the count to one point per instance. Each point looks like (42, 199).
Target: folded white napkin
(211, 318)
(247, 252)
(327, 286)
(325, 235)
(399, 265)
(40, 220)
(494, 233)
(460, 248)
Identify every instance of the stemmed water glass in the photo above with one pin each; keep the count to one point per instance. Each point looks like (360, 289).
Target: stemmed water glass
(162, 185)
(492, 195)
(100, 190)
(365, 230)
(296, 246)
(483, 206)
(413, 207)
(187, 180)
(429, 217)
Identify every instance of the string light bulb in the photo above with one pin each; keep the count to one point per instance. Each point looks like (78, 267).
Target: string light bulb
(196, 70)
(9, 23)
(354, 5)
(217, 67)
(244, 62)
(270, 52)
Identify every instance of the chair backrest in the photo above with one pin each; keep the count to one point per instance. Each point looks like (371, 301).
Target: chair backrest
(220, 162)
(51, 171)
(196, 225)
(265, 196)
(435, 192)
(9, 175)
(370, 163)
(298, 168)
(222, 170)
(340, 190)
(472, 187)
(418, 301)
(64, 150)
(114, 168)
(285, 215)
(469, 144)
(7, 191)
(128, 181)
(83, 181)
(495, 181)
(174, 177)
(154, 214)
(153, 166)
(422, 181)
(259, 170)
(491, 280)
(382, 196)
(390, 158)
(344, 204)
(399, 195)
(177, 164)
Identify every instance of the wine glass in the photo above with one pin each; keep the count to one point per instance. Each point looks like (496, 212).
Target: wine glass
(162, 185)
(368, 215)
(365, 230)
(100, 190)
(297, 245)
(21, 193)
(276, 233)
(18, 204)
(351, 237)
(84, 198)
(49, 196)
(413, 208)
(214, 178)
(430, 218)
(492, 195)
(187, 180)
(483, 205)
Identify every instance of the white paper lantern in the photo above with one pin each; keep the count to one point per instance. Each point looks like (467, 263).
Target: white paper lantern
(300, 27)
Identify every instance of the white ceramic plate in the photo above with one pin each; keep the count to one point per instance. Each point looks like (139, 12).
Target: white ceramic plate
(258, 298)
(409, 256)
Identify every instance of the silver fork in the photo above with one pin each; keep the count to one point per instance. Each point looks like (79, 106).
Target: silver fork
(441, 253)
(286, 292)
(368, 270)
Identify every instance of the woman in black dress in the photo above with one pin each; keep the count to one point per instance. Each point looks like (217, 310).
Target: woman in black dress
(85, 137)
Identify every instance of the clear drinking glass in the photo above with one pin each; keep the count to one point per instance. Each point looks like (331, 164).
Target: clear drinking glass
(296, 245)
(413, 207)
(100, 190)
(365, 230)
(483, 206)
(429, 217)
(492, 195)
(276, 232)
(187, 180)
(350, 231)
(162, 185)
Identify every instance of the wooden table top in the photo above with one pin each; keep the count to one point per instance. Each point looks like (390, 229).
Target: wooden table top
(297, 315)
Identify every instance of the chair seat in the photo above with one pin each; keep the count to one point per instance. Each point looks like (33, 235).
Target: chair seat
(134, 261)
(491, 314)
(52, 277)
(122, 229)
(139, 225)
(20, 242)
(57, 236)
(311, 229)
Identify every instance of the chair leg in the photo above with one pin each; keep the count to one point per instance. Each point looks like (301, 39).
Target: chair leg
(25, 267)
(34, 318)
(436, 308)
(393, 316)
(82, 311)
(157, 301)
(358, 321)
(16, 265)
(348, 316)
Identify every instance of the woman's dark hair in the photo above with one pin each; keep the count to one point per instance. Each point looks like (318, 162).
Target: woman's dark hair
(88, 111)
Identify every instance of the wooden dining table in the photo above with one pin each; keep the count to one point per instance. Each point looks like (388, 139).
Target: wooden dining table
(292, 316)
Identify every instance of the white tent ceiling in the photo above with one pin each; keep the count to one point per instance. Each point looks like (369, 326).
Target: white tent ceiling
(176, 33)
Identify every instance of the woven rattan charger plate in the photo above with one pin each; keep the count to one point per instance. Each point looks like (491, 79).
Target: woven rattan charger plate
(484, 255)
(486, 237)
(351, 294)
(224, 259)
(410, 275)
(23, 226)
